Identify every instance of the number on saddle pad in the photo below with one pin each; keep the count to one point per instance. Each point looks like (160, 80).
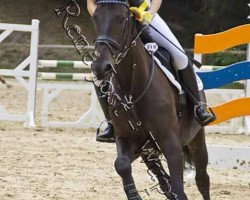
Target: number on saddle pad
(151, 47)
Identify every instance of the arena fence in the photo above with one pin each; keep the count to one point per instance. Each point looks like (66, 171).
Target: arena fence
(51, 90)
(89, 119)
(227, 156)
(205, 44)
(26, 77)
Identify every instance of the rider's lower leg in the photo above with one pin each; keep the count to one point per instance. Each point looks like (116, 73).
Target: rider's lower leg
(190, 85)
(108, 134)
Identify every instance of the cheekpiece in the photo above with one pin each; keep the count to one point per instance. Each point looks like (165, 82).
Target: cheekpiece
(123, 2)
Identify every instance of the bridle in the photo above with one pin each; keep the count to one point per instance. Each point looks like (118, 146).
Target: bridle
(119, 51)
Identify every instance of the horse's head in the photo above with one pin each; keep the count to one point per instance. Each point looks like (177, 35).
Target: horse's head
(113, 26)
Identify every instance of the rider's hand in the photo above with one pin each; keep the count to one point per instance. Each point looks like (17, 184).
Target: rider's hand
(141, 14)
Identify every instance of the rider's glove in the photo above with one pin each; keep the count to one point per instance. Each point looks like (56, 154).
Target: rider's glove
(141, 14)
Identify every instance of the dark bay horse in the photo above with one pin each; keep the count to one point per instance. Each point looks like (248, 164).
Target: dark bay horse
(143, 107)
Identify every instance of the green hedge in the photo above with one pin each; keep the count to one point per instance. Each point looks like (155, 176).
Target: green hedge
(229, 57)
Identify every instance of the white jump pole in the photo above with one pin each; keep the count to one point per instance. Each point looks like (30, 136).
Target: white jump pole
(33, 73)
(247, 119)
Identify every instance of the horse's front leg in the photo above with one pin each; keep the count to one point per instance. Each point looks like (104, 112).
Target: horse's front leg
(124, 169)
(172, 150)
(155, 166)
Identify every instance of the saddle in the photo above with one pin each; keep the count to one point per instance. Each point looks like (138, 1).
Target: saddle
(165, 59)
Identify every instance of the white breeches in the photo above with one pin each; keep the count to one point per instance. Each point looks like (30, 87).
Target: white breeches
(180, 60)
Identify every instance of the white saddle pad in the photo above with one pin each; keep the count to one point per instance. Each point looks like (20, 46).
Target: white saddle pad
(172, 79)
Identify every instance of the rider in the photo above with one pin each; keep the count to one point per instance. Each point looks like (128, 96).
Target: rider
(179, 60)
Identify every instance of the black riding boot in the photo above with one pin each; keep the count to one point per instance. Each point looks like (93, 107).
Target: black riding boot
(108, 134)
(200, 109)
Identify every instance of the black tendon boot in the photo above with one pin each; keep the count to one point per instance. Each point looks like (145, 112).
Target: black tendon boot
(108, 134)
(200, 108)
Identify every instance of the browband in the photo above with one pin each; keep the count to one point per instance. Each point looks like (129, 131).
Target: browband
(123, 2)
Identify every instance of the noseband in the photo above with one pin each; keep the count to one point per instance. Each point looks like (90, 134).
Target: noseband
(109, 41)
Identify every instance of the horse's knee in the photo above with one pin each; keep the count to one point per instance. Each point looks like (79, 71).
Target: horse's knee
(123, 166)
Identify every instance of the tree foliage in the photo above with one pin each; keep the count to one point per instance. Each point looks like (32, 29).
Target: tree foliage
(203, 16)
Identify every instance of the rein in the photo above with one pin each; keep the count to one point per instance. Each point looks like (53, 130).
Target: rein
(152, 67)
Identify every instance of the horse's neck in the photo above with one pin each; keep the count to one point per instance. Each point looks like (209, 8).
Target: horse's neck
(138, 62)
